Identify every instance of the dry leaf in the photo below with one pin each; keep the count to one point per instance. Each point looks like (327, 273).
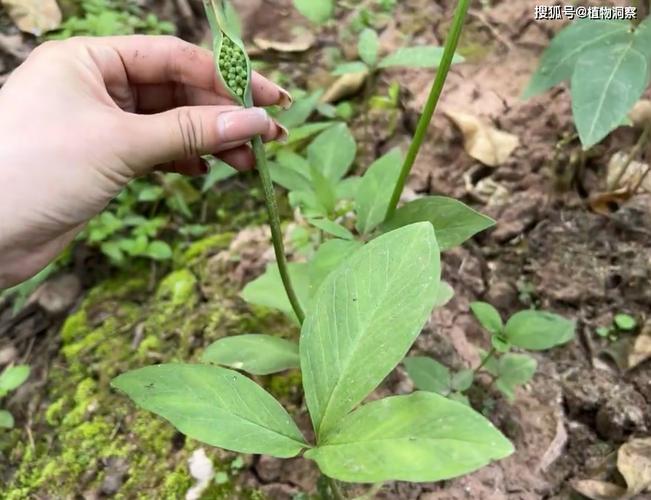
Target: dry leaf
(640, 115)
(641, 350)
(345, 86)
(484, 143)
(607, 203)
(304, 41)
(634, 463)
(599, 490)
(34, 16)
(634, 173)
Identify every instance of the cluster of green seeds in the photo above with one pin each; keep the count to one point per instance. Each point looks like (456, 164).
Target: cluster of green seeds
(233, 67)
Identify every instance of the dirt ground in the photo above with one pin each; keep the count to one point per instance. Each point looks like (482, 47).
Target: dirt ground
(553, 247)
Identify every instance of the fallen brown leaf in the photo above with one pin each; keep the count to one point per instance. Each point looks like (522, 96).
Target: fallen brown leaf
(345, 86)
(484, 143)
(634, 463)
(34, 16)
(641, 350)
(302, 42)
(607, 203)
(599, 490)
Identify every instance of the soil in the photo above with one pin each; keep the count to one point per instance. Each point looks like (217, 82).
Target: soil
(549, 250)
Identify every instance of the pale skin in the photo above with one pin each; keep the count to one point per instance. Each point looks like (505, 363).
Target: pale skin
(79, 119)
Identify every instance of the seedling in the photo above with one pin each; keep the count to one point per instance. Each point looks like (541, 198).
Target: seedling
(621, 323)
(529, 330)
(607, 64)
(366, 294)
(10, 380)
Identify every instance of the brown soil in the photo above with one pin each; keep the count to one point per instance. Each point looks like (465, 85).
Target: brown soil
(548, 249)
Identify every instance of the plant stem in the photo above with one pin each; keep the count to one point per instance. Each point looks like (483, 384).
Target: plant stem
(435, 93)
(490, 354)
(274, 222)
(334, 489)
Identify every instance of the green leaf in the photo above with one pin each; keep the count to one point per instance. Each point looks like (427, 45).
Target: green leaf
(422, 437)
(219, 171)
(514, 370)
(324, 190)
(255, 354)
(332, 228)
(559, 59)
(13, 377)
(6, 420)
(462, 380)
(150, 193)
(538, 330)
(347, 188)
(333, 151)
(304, 132)
(453, 221)
(625, 322)
(606, 83)
(427, 56)
(216, 406)
(291, 171)
(488, 316)
(374, 192)
(300, 111)
(268, 290)
(491, 366)
(159, 250)
(364, 318)
(327, 259)
(368, 46)
(317, 11)
(351, 67)
(428, 374)
(500, 344)
(446, 293)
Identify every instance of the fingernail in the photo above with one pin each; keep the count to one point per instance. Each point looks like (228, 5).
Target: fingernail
(285, 101)
(282, 135)
(242, 124)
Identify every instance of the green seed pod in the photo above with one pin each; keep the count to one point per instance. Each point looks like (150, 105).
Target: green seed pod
(232, 64)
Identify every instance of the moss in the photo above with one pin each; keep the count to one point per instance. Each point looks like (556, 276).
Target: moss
(86, 423)
(285, 385)
(178, 288)
(205, 247)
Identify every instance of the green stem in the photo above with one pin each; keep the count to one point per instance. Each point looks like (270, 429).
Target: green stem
(334, 489)
(490, 354)
(274, 222)
(435, 93)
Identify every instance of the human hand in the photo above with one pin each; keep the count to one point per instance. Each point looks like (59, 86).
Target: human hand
(81, 118)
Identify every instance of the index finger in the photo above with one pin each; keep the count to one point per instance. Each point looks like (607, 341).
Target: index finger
(164, 59)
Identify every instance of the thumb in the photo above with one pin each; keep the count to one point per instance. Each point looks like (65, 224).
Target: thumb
(189, 132)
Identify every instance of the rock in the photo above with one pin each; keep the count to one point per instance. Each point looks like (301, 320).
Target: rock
(586, 390)
(279, 491)
(502, 295)
(622, 414)
(116, 470)
(268, 468)
(301, 472)
(521, 212)
(56, 296)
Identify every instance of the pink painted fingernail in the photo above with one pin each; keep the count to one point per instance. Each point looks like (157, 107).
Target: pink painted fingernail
(283, 134)
(285, 101)
(242, 124)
